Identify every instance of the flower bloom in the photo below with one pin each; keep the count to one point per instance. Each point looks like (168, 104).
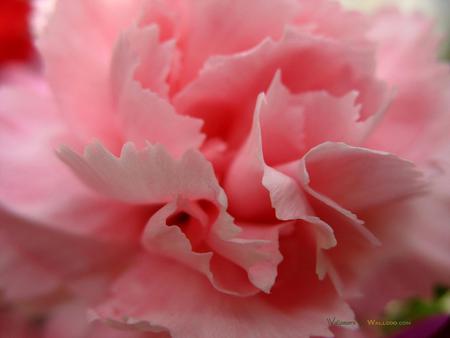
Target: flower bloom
(224, 168)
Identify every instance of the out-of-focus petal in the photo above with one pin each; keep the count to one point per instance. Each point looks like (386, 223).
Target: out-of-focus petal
(69, 320)
(417, 122)
(78, 73)
(31, 175)
(58, 258)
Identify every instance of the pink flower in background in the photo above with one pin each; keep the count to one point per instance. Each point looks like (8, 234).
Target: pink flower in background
(224, 168)
(15, 38)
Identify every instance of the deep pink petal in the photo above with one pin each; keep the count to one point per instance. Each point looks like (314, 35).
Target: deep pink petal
(169, 240)
(258, 191)
(225, 91)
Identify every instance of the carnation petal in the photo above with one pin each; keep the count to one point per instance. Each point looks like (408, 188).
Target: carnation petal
(293, 123)
(224, 93)
(169, 240)
(32, 175)
(417, 122)
(151, 176)
(148, 176)
(357, 178)
(328, 18)
(268, 190)
(191, 298)
(77, 59)
(139, 72)
(140, 54)
(255, 249)
(209, 27)
(77, 255)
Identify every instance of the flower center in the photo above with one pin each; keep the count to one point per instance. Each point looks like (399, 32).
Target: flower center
(194, 218)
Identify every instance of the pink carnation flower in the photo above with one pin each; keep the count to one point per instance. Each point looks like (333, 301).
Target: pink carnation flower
(225, 168)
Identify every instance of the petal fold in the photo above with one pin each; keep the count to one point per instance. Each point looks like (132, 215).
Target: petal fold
(190, 298)
(139, 72)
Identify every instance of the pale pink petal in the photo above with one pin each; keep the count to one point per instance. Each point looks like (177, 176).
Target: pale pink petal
(148, 176)
(177, 292)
